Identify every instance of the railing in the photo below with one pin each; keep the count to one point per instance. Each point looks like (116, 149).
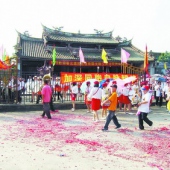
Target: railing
(26, 90)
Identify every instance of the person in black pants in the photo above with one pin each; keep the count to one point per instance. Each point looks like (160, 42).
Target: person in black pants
(143, 108)
(159, 101)
(159, 94)
(58, 90)
(111, 109)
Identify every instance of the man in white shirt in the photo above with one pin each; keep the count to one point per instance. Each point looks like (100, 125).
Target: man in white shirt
(58, 89)
(23, 85)
(159, 91)
(28, 85)
(19, 88)
(143, 108)
(34, 88)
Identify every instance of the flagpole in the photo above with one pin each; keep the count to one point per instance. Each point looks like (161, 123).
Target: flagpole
(80, 67)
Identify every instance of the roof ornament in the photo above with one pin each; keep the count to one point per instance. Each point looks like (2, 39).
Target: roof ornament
(26, 33)
(58, 28)
(98, 32)
(118, 38)
(45, 69)
(124, 39)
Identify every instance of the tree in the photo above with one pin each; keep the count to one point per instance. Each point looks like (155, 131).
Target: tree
(164, 57)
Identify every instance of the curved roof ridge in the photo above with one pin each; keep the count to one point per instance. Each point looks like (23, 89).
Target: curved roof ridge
(25, 37)
(53, 31)
(137, 49)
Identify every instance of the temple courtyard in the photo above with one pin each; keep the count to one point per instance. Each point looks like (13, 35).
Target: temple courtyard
(73, 141)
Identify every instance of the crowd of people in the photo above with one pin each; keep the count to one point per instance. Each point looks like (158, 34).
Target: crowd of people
(16, 87)
(111, 97)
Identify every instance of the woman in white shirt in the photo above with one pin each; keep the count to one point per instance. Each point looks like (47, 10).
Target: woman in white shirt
(87, 101)
(105, 95)
(74, 92)
(96, 96)
(125, 99)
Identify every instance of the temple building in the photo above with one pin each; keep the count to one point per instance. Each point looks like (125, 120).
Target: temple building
(34, 52)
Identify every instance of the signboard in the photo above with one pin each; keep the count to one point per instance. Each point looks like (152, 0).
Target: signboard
(77, 63)
(67, 77)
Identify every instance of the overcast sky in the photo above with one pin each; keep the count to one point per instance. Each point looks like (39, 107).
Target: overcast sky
(146, 21)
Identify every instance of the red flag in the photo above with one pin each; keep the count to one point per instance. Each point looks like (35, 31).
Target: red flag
(146, 64)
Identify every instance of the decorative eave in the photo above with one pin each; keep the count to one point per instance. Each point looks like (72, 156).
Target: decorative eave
(47, 30)
(125, 43)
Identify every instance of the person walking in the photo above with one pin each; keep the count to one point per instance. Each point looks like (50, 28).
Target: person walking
(112, 109)
(95, 95)
(46, 97)
(143, 108)
(74, 92)
(87, 91)
(125, 98)
(105, 95)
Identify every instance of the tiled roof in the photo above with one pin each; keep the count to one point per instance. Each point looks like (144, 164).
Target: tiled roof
(54, 35)
(69, 34)
(34, 48)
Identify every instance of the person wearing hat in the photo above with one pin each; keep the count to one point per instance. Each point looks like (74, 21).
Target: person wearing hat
(74, 92)
(105, 95)
(125, 98)
(107, 81)
(143, 108)
(95, 95)
(87, 91)
(112, 109)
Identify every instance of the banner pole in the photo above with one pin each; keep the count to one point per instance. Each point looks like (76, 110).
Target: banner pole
(80, 67)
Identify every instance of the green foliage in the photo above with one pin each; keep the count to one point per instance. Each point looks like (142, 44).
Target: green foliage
(164, 57)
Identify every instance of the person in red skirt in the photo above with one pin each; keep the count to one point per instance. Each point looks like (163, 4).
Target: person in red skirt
(105, 95)
(74, 92)
(125, 98)
(95, 96)
(87, 101)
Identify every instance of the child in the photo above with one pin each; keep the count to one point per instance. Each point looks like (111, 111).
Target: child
(136, 98)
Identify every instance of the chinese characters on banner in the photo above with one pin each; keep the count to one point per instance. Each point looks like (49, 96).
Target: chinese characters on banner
(67, 77)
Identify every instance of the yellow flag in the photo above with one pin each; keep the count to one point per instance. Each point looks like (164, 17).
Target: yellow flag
(165, 66)
(104, 56)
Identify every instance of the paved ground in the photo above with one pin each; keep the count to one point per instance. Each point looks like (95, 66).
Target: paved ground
(74, 142)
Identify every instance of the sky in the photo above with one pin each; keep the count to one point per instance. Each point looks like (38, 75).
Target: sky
(143, 21)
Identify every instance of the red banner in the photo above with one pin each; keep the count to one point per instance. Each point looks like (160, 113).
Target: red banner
(67, 77)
